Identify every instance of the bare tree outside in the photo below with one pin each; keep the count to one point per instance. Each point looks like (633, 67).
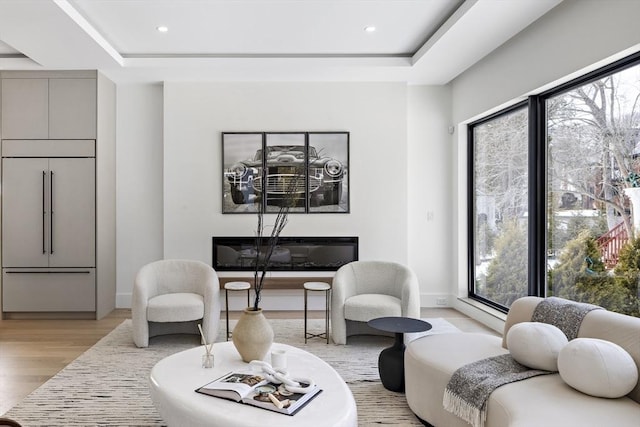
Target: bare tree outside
(592, 136)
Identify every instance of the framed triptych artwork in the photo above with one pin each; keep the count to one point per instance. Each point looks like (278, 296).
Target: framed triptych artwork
(308, 170)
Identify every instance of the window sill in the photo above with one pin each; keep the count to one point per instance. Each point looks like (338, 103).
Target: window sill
(488, 316)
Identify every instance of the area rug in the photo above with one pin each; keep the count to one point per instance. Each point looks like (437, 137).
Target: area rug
(108, 384)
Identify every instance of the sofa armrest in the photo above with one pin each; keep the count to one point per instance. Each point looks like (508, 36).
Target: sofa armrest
(521, 311)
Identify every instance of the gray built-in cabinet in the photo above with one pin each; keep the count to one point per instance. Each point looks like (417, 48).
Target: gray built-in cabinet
(56, 108)
(56, 246)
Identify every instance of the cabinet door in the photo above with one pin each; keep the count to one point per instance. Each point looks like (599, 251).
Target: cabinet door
(72, 108)
(24, 212)
(42, 290)
(25, 108)
(73, 208)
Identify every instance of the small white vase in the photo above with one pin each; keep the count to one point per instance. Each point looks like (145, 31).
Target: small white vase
(252, 335)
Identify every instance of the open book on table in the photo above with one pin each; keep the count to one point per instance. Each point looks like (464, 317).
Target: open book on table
(254, 390)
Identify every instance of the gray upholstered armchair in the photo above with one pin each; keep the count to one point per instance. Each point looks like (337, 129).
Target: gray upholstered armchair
(364, 290)
(173, 296)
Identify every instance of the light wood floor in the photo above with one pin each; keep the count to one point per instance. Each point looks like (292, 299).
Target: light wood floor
(32, 351)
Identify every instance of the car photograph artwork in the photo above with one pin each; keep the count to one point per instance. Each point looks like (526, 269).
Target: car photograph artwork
(307, 170)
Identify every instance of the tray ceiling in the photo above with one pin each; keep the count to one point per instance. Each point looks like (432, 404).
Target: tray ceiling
(416, 41)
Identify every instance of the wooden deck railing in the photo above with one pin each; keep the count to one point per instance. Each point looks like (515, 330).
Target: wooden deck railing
(610, 244)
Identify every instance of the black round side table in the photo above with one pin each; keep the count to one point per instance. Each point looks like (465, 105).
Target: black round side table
(391, 360)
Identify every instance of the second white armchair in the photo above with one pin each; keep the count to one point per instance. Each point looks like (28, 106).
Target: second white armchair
(365, 290)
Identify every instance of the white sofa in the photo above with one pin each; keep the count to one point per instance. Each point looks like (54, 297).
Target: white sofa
(539, 401)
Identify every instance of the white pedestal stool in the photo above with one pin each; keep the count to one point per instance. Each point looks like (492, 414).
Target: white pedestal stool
(234, 286)
(317, 286)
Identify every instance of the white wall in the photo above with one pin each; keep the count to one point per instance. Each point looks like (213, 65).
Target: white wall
(106, 197)
(374, 114)
(139, 216)
(575, 37)
(430, 189)
(169, 170)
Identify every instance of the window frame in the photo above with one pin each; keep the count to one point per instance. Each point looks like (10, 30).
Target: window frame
(471, 241)
(537, 184)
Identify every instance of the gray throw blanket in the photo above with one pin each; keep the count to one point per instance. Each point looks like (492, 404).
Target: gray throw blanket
(564, 314)
(469, 388)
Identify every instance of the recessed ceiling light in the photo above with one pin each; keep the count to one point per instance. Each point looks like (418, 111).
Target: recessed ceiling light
(162, 28)
(369, 28)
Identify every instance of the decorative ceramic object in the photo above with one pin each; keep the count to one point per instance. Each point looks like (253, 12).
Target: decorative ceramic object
(253, 335)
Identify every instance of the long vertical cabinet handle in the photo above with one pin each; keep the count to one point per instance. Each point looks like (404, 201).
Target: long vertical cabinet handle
(51, 216)
(44, 212)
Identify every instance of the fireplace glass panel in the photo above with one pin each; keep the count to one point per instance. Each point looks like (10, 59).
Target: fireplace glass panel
(291, 253)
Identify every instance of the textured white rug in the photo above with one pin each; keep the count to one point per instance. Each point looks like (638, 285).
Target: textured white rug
(108, 384)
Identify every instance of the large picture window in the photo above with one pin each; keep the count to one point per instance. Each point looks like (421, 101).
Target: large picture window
(582, 160)
(593, 171)
(499, 154)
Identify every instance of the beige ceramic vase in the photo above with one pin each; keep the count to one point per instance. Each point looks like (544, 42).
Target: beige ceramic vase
(252, 335)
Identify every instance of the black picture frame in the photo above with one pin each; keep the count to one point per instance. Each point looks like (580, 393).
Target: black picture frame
(239, 153)
(308, 170)
(332, 158)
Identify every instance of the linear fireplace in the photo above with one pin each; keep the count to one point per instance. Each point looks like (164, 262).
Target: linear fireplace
(291, 254)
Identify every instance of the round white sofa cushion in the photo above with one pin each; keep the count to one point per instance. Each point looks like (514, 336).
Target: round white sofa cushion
(536, 345)
(597, 367)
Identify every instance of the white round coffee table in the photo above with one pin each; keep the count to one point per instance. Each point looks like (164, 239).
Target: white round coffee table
(173, 382)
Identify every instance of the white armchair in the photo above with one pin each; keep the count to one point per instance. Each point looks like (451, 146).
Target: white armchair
(365, 290)
(173, 296)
